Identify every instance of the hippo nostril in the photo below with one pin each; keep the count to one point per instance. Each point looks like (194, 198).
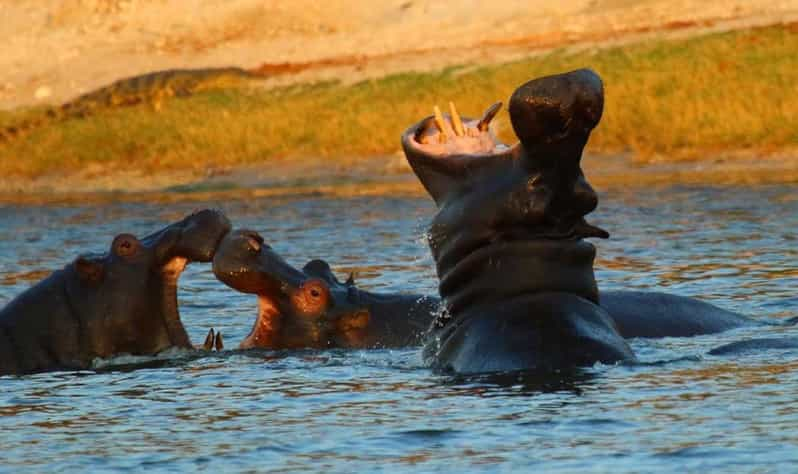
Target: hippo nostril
(253, 244)
(315, 293)
(125, 245)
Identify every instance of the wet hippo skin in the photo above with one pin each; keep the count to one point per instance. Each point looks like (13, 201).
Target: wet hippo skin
(653, 314)
(311, 308)
(756, 345)
(124, 301)
(516, 275)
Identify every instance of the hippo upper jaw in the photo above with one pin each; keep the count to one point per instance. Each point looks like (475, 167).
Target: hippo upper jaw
(194, 238)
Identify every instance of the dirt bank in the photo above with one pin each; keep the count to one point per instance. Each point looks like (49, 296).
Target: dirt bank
(376, 176)
(54, 51)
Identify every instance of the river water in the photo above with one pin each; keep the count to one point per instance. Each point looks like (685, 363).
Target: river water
(382, 410)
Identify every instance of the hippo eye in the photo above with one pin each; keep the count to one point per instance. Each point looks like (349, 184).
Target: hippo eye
(312, 299)
(125, 245)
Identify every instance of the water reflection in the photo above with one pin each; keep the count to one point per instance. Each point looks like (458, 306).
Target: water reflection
(522, 383)
(383, 410)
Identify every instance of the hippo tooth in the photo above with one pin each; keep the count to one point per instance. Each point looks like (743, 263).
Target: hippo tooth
(457, 124)
(208, 344)
(489, 114)
(440, 124)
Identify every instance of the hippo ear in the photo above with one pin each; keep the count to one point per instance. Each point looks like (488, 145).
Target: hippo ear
(89, 270)
(320, 269)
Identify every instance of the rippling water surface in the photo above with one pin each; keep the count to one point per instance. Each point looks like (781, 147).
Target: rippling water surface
(383, 410)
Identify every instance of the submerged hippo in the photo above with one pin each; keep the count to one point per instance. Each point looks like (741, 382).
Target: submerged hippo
(756, 345)
(311, 307)
(100, 305)
(516, 275)
(654, 314)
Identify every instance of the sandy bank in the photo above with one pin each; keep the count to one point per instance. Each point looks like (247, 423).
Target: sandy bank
(54, 51)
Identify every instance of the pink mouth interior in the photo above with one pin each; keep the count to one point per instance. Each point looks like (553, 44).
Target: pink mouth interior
(440, 137)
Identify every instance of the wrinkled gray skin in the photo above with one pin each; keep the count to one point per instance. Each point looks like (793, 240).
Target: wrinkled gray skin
(311, 308)
(100, 305)
(516, 276)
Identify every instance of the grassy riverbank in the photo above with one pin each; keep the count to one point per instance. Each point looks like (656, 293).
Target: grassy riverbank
(676, 99)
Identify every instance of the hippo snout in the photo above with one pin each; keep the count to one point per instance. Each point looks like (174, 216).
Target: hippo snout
(200, 235)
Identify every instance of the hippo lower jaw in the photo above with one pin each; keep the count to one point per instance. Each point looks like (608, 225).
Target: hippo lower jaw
(267, 326)
(170, 273)
(273, 331)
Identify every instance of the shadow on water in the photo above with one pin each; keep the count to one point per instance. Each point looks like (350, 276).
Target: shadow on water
(523, 383)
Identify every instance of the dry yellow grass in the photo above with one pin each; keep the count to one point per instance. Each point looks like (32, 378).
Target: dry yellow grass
(664, 99)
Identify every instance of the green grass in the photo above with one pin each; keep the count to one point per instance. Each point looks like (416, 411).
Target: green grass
(671, 99)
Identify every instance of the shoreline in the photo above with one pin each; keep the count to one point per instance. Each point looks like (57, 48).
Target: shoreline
(375, 176)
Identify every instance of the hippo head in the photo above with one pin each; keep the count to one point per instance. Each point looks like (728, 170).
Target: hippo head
(126, 299)
(296, 308)
(510, 219)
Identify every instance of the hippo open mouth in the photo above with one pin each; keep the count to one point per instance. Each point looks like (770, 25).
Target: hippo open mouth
(310, 307)
(520, 207)
(447, 149)
(120, 302)
(193, 239)
(133, 288)
(293, 306)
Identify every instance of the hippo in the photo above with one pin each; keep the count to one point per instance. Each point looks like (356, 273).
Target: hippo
(516, 275)
(756, 345)
(98, 306)
(311, 308)
(508, 239)
(652, 314)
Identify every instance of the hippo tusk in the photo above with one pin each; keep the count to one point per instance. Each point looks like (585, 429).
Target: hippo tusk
(440, 124)
(489, 114)
(208, 344)
(457, 123)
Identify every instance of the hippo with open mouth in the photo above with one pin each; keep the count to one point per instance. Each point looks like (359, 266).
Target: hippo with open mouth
(311, 308)
(122, 302)
(516, 275)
